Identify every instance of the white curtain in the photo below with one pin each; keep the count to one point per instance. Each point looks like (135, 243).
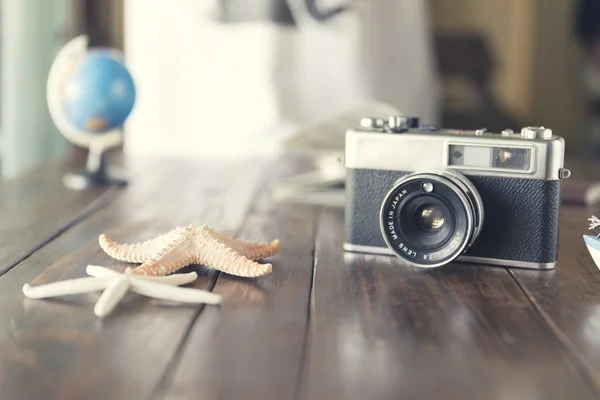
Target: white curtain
(208, 88)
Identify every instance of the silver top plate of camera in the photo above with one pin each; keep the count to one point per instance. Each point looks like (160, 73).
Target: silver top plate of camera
(533, 153)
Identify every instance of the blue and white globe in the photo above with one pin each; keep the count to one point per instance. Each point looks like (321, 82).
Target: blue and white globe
(98, 94)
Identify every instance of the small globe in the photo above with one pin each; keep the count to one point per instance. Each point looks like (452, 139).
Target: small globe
(99, 93)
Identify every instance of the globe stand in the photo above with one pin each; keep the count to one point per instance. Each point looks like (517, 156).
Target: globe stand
(95, 174)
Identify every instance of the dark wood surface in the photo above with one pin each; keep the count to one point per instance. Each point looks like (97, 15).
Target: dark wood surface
(36, 208)
(270, 314)
(324, 324)
(380, 329)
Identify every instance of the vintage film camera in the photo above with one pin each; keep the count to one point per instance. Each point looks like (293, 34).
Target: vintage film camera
(430, 195)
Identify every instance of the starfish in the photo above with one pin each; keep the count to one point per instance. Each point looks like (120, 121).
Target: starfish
(193, 245)
(116, 285)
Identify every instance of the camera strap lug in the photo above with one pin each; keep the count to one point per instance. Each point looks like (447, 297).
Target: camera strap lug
(564, 173)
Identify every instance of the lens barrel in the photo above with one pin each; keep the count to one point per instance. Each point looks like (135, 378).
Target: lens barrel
(429, 219)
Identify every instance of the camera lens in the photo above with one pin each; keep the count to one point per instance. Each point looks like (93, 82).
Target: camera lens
(429, 219)
(425, 221)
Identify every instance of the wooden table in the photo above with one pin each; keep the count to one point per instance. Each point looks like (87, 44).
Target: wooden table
(318, 327)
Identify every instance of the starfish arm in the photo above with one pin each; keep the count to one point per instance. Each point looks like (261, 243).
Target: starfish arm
(187, 295)
(173, 280)
(72, 286)
(164, 263)
(223, 258)
(114, 292)
(101, 272)
(174, 255)
(258, 251)
(133, 252)
(252, 250)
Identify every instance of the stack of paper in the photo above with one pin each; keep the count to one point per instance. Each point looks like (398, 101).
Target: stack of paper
(324, 142)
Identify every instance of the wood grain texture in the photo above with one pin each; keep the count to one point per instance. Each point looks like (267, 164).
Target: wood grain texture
(58, 349)
(37, 207)
(370, 327)
(382, 330)
(252, 346)
(568, 297)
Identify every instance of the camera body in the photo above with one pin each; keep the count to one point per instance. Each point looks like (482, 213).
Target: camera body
(430, 196)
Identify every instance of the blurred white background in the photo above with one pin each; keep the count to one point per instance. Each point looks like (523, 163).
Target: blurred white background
(214, 88)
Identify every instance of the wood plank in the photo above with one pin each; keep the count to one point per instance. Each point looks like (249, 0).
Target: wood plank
(382, 330)
(253, 346)
(36, 207)
(58, 349)
(568, 297)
